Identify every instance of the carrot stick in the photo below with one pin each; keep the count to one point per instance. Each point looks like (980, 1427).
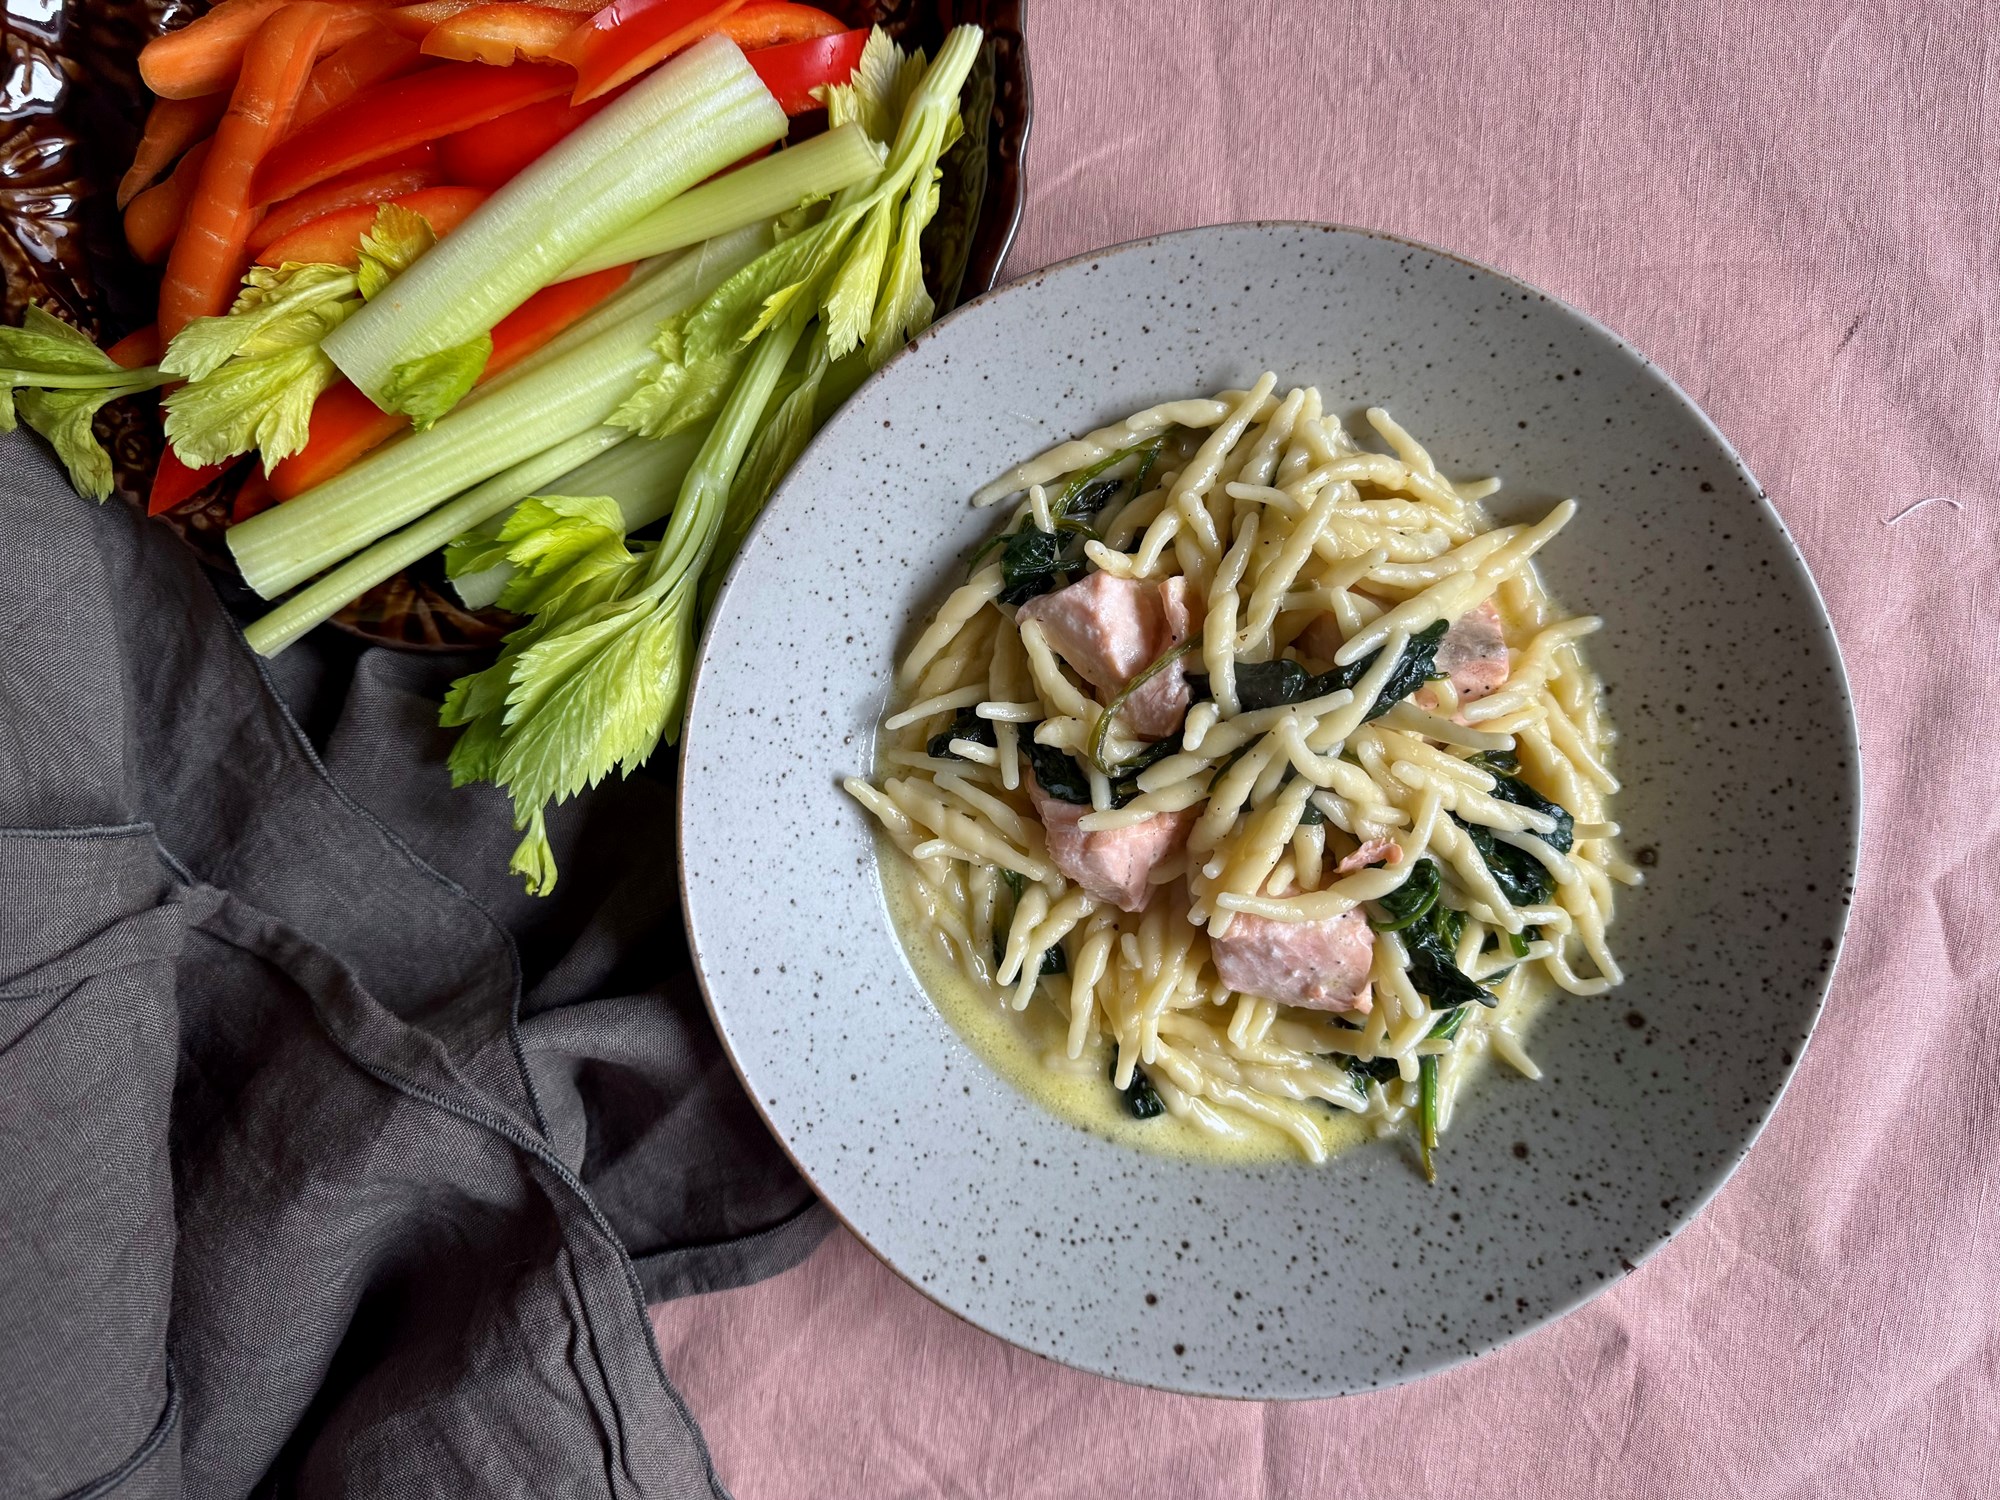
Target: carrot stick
(346, 424)
(208, 256)
(254, 495)
(203, 56)
(172, 126)
(153, 219)
(139, 347)
(376, 54)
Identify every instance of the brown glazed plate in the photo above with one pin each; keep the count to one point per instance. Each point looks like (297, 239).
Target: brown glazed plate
(70, 116)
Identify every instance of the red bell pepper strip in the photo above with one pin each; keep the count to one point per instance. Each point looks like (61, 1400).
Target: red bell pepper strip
(629, 36)
(403, 112)
(371, 58)
(367, 186)
(334, 239)
(418, 21)
(346, 424)
(773, 23)
(139, 347)
(792, 71)
(487, 155)
(499, 34)
(174, 482)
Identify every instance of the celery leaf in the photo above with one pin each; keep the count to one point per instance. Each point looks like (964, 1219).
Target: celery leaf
(398, 236)
(850, 297)
(64, 418)
(263, 402)
(904, 307)
(564, 545)
(533, 860)
(593, 698)
(279, 308)
(734, 312)
(427, 387)
(473, 553)
(873, 97)
(687, 390)
(55, 379)
(45, 344)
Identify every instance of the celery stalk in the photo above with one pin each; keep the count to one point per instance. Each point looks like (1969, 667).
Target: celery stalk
(643, 476)
(596, 676)
(325, 597)
(817, 168)
(687, 121)
(504, 425)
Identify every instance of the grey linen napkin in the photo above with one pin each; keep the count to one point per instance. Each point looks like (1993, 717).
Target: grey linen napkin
(330, 1164)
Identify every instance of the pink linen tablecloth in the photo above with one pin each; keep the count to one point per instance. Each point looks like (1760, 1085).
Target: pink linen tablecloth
(1795, 210)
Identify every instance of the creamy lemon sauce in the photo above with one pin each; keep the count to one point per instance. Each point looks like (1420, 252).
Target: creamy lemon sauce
(1027, 1048)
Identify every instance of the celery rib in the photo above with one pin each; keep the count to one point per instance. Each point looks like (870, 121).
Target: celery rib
(498, 428)
(690, 119)
(817, 168)
(321, 600)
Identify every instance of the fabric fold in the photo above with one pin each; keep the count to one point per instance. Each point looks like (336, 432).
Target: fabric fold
(268, 1107)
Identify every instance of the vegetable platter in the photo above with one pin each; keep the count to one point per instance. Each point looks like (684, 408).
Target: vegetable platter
(549, 298)
(261, 170)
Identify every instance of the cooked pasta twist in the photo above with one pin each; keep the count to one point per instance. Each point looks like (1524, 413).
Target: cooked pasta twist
(1391, 718)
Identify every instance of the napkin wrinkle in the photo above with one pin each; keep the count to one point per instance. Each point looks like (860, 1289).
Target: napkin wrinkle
(264, 1102)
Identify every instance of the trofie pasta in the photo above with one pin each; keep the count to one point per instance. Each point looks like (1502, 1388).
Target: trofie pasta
(1258, 765)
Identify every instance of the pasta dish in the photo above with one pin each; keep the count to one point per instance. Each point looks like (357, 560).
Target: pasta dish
(1258, 762)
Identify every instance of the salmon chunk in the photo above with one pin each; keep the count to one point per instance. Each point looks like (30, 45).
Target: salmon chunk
(1372, 852)
(1115, 864)
(1321, 638)
(1111, 629)
(1320, 965)
(1473, 654)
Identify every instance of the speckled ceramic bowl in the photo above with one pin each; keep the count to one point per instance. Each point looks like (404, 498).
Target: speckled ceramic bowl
(1741, 797)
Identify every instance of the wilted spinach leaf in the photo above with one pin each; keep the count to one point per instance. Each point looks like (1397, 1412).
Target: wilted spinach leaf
(1125, 774)
(1142, 1100)
(1267, 684)
(1060, 776)
(1028, 564)
(1411, 901)
(1366, 1070)
(1432, 946)
(1513, 789)
(1499, 762)
(1521, 877)
(1053, 961)
(1416, 666)
(965, 725)
(1092, 498)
